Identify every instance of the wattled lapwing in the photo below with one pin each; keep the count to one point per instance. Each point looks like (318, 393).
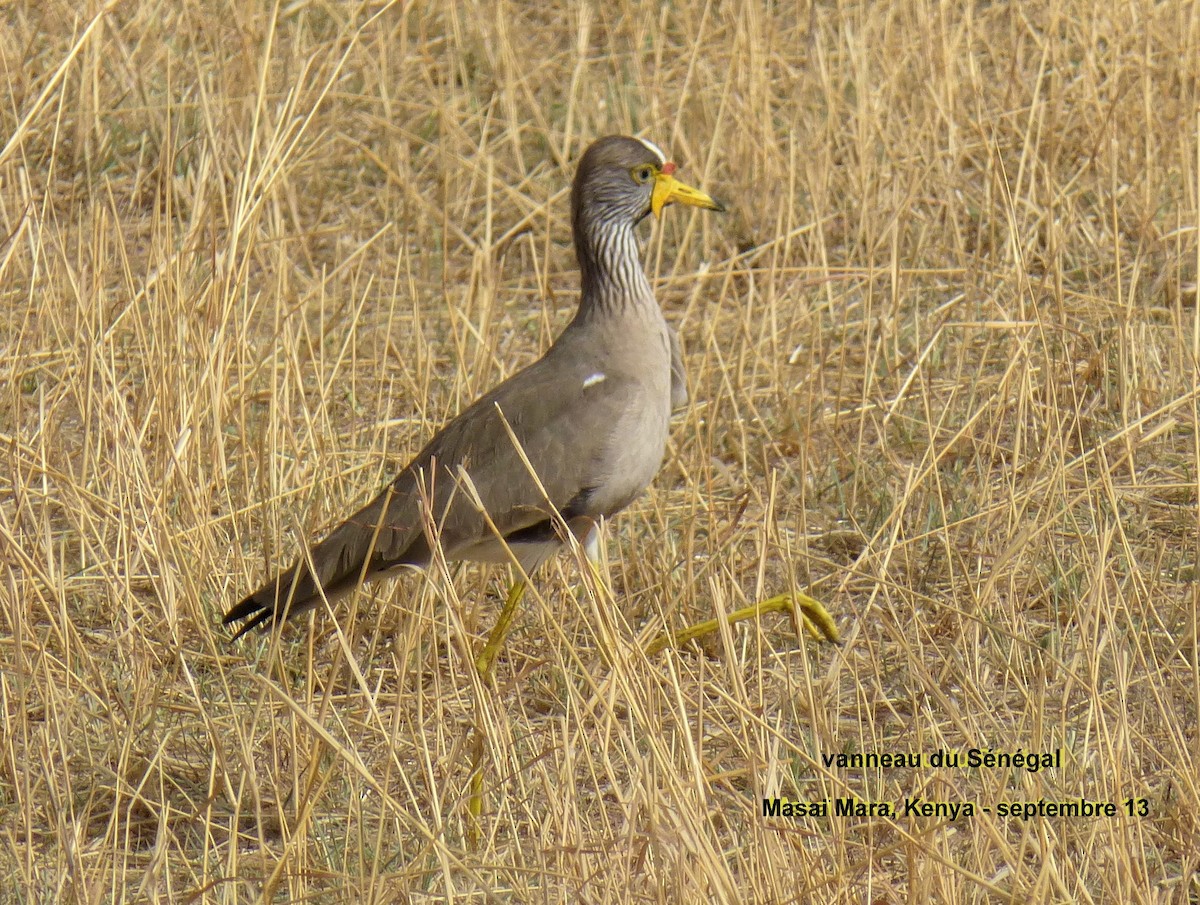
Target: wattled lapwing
(561, 445)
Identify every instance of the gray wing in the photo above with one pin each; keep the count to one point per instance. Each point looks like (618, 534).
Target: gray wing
(560, 433)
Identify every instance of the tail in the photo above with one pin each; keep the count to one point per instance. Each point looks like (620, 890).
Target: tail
(289, 594)
(357, 549)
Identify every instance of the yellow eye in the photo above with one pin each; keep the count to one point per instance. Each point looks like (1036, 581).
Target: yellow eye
(642, 174)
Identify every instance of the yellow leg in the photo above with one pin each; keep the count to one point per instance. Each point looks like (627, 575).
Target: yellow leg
(487, 658)
(805, 610)
(483, 665)
(475, 795)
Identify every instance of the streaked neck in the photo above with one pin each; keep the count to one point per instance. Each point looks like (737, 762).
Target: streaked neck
(613, 279)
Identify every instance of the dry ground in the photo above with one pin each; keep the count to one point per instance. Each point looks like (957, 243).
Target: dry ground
(943, 355)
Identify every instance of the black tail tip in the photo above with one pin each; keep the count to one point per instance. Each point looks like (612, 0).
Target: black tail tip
(252, 608)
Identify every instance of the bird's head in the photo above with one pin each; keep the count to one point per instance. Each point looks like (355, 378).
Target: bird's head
(622, 179)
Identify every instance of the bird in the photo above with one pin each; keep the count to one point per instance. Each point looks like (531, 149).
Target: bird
(557, 449)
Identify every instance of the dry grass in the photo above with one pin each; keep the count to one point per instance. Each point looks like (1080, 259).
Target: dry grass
(944, 358)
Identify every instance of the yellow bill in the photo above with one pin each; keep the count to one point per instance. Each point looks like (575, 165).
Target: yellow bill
(668, 190)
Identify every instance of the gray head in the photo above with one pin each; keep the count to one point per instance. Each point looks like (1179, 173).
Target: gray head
(623, 179)
(619, 181)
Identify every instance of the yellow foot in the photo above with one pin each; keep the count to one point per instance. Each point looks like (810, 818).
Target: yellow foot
(805, 610)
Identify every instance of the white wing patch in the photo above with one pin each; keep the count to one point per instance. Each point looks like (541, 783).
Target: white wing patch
(594, 379)
(654, 149)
